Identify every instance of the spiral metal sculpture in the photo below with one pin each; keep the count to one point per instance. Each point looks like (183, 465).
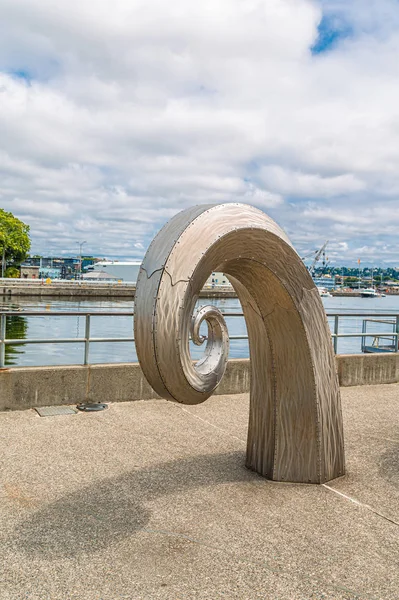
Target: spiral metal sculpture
(295, 424)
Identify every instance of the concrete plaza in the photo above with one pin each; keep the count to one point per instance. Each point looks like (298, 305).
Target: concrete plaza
(151, 500)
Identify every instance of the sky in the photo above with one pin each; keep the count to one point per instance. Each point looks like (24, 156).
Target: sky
(116, 115)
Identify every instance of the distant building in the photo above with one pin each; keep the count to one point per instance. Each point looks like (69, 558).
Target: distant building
(325, 282)
(48, 272)
(98, 276)
(59, 267)
(217, 279)
(29, 272)
(123, 270)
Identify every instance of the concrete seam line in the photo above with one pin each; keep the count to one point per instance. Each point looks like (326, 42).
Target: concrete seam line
(358, 503)
(209, 423)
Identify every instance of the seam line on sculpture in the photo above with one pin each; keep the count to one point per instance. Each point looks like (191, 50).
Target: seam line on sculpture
(254, 308)
(153, 273)
(176, 282)
(154, 311)
(294, 310)
(209, 423)
(358, 503)
(182, 231)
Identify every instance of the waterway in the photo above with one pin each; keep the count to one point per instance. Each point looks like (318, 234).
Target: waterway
(56, 327)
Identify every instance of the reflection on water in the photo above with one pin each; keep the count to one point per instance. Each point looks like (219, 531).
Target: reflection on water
(16, 329)
(73, 327)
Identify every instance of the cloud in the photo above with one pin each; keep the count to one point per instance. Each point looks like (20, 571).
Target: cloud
(309, 185)
(115, 118)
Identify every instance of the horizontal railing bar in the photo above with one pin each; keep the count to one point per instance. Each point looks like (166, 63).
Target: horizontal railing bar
(367, 334)
(61, 313)
(392, 322)
(131, 313)
(111, 340)
(20, 342)
(367, 317)
(364, 314)
(77, 313)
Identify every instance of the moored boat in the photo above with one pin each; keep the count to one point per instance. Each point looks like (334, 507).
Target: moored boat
(369, 293)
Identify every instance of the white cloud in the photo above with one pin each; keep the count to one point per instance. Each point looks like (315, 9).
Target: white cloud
(115, 117)
(309, 185)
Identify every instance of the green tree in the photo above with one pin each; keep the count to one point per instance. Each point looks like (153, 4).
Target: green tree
(14, 240)
(12, 272)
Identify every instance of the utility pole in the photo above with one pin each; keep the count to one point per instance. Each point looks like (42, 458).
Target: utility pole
(80, 256)
(358, 262)
(4, 240)
(3, 260)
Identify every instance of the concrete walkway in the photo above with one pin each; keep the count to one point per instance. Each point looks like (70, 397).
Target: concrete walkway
(151, 500)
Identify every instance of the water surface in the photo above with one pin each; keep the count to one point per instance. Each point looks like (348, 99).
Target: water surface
(50, 326)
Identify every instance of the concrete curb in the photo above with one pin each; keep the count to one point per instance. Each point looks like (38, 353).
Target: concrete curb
(26, 387)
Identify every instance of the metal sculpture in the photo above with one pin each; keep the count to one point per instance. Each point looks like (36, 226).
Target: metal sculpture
(295, 424)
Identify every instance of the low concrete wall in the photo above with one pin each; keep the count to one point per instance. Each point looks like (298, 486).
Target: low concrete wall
(71, 289)
(368, 369)
(22, 388)
(26, 387)
(67, 291)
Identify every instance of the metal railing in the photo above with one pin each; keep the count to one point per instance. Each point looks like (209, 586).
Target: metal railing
(86, 340)
(392, 337)
(364, 334)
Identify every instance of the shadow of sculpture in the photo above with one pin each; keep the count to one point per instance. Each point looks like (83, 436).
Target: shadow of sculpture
(111, 510)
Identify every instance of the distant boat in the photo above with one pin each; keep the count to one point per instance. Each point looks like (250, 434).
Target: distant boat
(324, 293)
(369, 293)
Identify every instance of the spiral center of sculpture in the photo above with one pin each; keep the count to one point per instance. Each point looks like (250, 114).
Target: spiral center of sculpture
(217, 339)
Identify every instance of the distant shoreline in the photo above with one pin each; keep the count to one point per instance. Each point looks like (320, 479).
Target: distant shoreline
(83, 289)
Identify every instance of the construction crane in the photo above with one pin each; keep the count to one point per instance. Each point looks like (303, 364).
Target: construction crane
(318, 254)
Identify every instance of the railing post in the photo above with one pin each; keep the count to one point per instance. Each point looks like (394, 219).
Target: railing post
(397, 333)
(2, 341)
(87, 340)
(363, 338)
(336, 326)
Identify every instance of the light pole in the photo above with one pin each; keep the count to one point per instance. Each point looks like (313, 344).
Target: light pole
(3, 253)
(80, 256)
(3, 261)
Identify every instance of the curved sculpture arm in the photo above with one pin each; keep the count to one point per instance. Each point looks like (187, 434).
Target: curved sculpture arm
(295, 423)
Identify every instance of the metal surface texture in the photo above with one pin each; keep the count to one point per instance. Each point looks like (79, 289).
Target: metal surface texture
(295, 424)
(217, 347)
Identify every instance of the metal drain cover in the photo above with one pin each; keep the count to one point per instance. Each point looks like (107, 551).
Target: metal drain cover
(92, 407)
(53, 411)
